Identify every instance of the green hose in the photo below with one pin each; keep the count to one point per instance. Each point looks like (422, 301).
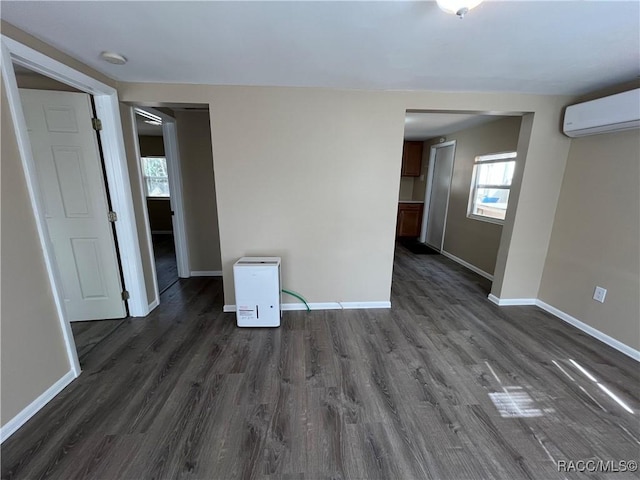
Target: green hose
(298, 296)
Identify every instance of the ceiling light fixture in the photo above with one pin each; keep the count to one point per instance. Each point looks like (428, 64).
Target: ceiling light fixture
(114, 58)
(153, 122)
(458, 7)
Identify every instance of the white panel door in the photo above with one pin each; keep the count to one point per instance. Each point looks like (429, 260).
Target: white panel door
(72, 187)
(442, 170)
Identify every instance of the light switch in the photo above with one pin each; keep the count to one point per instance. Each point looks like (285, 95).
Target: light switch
(600, 294)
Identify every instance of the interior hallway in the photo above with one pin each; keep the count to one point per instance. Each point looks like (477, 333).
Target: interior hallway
(444, 385)
(164, 252)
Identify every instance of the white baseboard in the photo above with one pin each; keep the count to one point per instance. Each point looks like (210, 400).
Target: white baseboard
(595, 333)
(473, 268)
(364, 305)
(324, 306)
(589, 330)
(206, 273)
(153, 305)
(30, 410)
(312, 306)
(506, 302)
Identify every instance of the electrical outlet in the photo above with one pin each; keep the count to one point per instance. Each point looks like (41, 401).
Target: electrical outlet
(600, 294)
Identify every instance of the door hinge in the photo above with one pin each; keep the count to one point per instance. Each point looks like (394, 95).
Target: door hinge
(125, 295)
(96, 124)
(112, 216)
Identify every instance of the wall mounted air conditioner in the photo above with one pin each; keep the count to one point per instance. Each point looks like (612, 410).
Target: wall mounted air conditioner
(608, 114)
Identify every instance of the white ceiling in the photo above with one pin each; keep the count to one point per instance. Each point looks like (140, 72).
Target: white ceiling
(551, 47)
(423, 126)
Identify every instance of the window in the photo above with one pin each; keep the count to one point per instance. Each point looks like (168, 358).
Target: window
(490, 186)
(156, 181)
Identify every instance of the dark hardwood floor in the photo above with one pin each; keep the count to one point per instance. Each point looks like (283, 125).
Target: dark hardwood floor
(164, 252)
(444, 385)
(89, 334)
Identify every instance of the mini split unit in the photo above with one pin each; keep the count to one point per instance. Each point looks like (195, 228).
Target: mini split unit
(614, 113)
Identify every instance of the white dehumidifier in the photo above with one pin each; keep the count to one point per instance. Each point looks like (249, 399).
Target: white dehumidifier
(258, 297)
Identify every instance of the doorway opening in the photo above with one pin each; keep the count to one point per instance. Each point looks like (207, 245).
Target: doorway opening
(454, 170)
(159, 195)
(173, 185)
(77, 201)
(79, 214)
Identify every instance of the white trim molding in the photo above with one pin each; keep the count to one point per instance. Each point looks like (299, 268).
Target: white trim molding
(172, 154)
(324, 306)
(207, 273)
(34, 407)
(589, 330)
(511, 302)
(154, 304)
(145, 212)
(471, 267)
(363, 305)
(119, 186)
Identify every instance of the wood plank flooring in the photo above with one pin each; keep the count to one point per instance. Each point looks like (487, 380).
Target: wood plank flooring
(164, 252)
(88, 334)
(445, 385)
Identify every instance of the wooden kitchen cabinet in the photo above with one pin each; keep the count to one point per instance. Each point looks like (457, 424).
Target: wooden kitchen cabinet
(409, 219)
(411, 159)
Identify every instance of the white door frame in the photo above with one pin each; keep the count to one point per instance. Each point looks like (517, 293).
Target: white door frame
(427, 195)
(174, 167)
(107, 107)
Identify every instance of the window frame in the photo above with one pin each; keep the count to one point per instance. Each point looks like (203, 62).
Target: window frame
(490, 158)
(145, 177)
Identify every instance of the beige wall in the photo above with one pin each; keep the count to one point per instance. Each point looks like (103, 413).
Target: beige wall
(406, 188)
(536, 186)
(34, 81)
(199, 190)
(151, 146)
(33, 350)
(475, 241)
(286, 161)
(596, 236)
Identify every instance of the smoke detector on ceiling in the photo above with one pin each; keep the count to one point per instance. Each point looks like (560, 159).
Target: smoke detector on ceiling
(458, 7)
(114, 58)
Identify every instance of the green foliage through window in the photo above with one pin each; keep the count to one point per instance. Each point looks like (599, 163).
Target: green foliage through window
(156, 179)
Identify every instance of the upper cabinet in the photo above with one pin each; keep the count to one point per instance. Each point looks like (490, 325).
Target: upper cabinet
(411, 159)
